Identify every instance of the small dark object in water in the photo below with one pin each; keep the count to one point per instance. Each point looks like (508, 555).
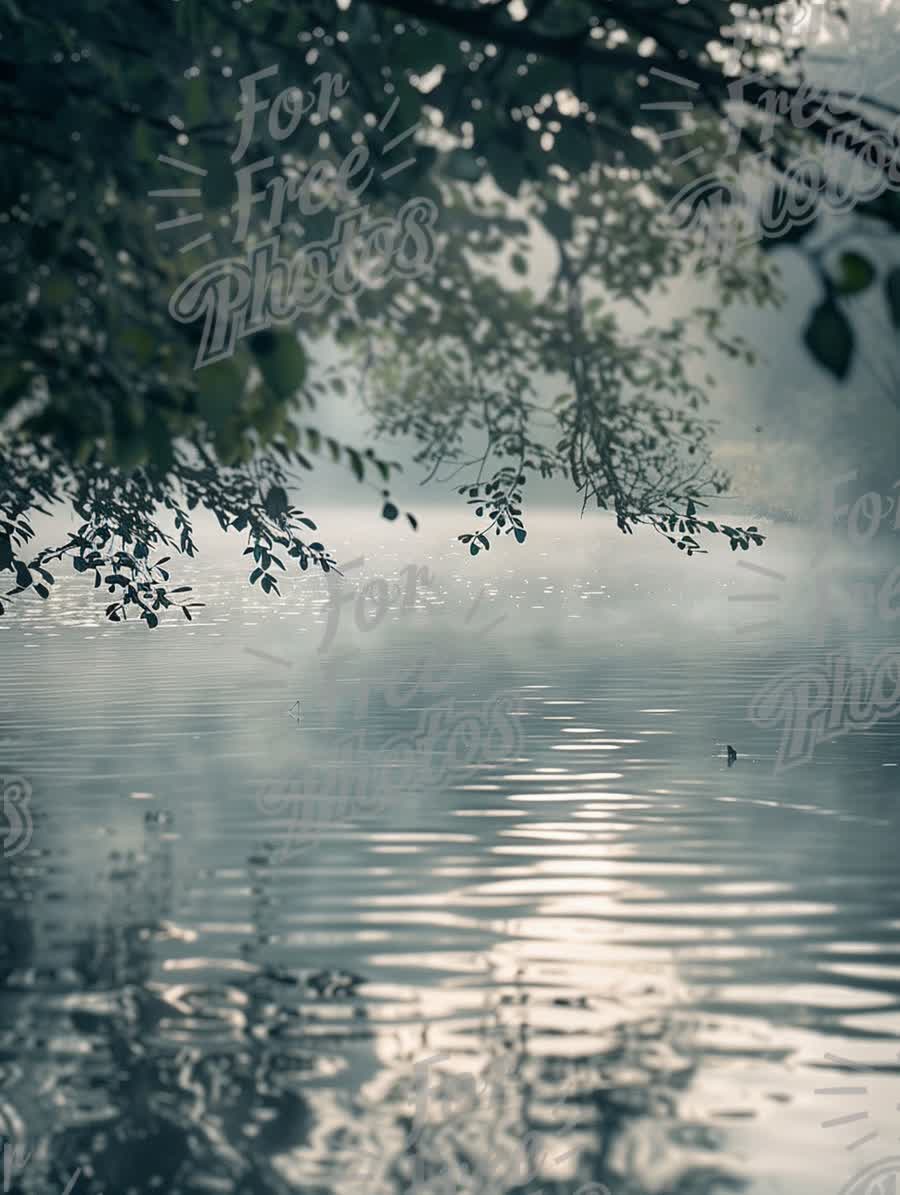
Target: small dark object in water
(732, 755)
(158, 817)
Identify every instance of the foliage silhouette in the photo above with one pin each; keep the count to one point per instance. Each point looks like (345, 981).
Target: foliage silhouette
(525, 133)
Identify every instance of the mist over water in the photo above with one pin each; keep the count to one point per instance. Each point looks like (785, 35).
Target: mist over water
(645, 958)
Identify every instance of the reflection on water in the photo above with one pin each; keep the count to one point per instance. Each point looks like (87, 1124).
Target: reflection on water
(622, 961)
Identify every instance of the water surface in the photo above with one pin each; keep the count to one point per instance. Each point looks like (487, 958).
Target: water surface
(651, 964)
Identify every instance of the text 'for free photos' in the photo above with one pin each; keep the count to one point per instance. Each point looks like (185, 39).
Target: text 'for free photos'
(238, 296)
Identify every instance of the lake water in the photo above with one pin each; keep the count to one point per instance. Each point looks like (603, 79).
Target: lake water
(551, 939)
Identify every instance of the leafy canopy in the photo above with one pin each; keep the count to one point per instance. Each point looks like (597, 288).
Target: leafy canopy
(525, 130)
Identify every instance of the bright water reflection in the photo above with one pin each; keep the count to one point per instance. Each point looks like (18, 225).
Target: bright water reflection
(649, 962)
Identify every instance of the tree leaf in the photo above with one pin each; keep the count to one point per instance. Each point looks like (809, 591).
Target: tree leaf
(829, 338)
(558, 221)
(856, 273)
(506, 167)
(196, 101)
(219, 390)
(462, 164)
(276, 502)
(281, 361)
(138, 344)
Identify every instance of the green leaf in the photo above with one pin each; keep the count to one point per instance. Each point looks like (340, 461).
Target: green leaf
(856, 273)
(276, 502)
(138, 344)
(219, 390)
(58, 290)
(462, 164)
(558, 221)
(414, 51)
(161, 453)
(281, 361)
(636, 152)
(892, 290)
(389, 511)
(143, 144)
(196, 101)
(572, 148)
(219, 186)
(507, 168)
(829, 338)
